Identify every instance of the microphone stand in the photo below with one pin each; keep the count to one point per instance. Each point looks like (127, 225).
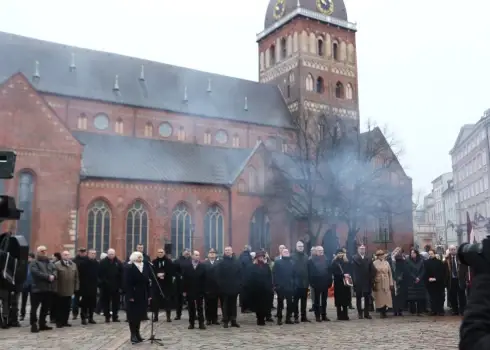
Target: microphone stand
(153, 339)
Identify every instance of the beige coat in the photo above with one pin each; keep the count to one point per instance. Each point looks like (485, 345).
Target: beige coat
(67, 282)
(383, 282)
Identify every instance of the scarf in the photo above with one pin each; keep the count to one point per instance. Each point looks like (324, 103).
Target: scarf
(139, 265)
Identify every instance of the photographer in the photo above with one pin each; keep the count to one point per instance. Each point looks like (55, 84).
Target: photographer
(475, 328)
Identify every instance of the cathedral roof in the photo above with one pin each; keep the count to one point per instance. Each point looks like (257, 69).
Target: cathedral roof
(140, 159)
(81, 73)
(332, 8)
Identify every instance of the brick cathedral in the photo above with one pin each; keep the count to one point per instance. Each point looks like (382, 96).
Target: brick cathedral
(114, 151)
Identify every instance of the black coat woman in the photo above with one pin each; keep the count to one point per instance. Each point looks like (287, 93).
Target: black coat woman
(435, 277)
(162, 292)
(136, 288)
(342, 295)
(416, 283)
(401, 276)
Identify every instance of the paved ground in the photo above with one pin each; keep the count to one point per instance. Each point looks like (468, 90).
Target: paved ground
(401, 333)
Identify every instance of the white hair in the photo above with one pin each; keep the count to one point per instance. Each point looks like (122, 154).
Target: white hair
(252, 254)
(103, 256)
(111, 251)
(134, 256)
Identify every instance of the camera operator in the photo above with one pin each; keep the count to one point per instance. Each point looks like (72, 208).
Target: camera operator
(475, 328)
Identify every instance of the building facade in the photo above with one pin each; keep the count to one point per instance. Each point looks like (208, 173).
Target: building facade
(114, 151)
(439, 186)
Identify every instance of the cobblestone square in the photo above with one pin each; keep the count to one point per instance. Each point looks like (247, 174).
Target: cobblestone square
(402, 333)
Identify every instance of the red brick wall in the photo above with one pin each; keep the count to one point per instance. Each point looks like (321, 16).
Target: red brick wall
(46, 148)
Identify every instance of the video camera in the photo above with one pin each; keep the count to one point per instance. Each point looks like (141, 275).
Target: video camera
(8, 208)
(476, 254)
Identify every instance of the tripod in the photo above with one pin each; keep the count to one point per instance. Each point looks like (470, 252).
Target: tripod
(153, 339)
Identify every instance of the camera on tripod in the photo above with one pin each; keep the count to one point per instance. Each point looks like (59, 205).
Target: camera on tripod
(475, 254)
(8, 208)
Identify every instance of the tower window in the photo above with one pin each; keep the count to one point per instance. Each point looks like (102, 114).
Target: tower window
(335, 51)
(320, 87)
(288, 91)
(291, 78)
(284, 48)
(273, 54)
(320, 49)
(339, 90)
(349, 92)
(309, 82)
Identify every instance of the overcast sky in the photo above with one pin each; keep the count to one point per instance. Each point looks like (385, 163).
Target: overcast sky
(423, 65)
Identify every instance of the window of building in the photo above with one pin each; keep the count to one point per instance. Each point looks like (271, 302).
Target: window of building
(181, 229)
(82, 122)
(99, 226)
(335, 51)
(309, 82)
(272, 52)
(101, 121)
(214, 229)
(288, 91)
(25, 201)
(148, 130)
(320, 47)
(136, 227)
(252, 180)
(165, 129)
(242, 187)
(181, 134)
(284, 146)
(207, 138)
(221, 137)
(291, 78)
(236, 141)
(284, 48)
(119, 127)
(349, 93)
(320, 87)
(339, 90)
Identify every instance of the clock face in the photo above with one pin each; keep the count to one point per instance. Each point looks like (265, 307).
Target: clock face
(325, 6)
(279, 9)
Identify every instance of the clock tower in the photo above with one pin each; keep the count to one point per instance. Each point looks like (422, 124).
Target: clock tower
(308, 49)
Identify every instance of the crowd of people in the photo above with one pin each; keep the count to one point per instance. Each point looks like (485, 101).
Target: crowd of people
(396, 282)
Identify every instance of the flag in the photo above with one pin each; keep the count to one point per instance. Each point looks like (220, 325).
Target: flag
(469, 228)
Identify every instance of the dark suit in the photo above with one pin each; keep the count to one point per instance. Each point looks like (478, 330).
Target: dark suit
(229, 274)
(162, 265)
(136, 289)
(212, 292)
(193, 285)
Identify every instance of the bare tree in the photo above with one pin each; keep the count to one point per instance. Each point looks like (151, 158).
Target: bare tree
(335, 174)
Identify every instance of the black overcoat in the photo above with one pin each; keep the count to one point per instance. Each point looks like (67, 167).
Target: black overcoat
(342, 293)
(88, 274)
(212, 286)
(230, 274)
(363, 273)
(319, 273)
(283, 276)
(137, 290)
(193, 280)
(416, 291)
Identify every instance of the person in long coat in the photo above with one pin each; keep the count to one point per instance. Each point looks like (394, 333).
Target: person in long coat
(416, 286)
(383, 283)
(362, 276)
(320, 278)
(194, 287)
(88, 273)
(259, 283)
(163, 291)
(213, 296)
(399, 270)
(435, 278)
(283, 277)
(137, 291)
(342, 293)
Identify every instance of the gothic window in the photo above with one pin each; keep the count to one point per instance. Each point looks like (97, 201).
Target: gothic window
(253, 179)
(291, 78)
(82, 122)
(181, 134)
(320, 47)
(260, 230)
(284, 48)
(288, 91)
(119, 127)
(181, 229)
(236, 141)
(136, 227)
(214, 230)
(101, 121)
(320, 86)
(242, 186)
(25, 200)
(339, 90)
(384, 223)
(221, 137)
(349, 92)
(99, 226)
(207, 138)
(284, 146)
(165, 129)
(272, 52)
(335, 51)
(309, 82)
(148, 129)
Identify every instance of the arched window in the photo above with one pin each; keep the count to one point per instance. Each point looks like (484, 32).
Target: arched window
(335, 51)
(181, 134)
(214, 230)
(82, 122)
(148, 129)
(309, 82)
(320, 86)
(349, 93)
(25, 200)
(136, 227)
(339, 90)
(181, 229)
(119, 127)
(236, 141)
(260, 230)
(284, 48)
(272, 52)
(288, 91)
(99, 227)
(284, 146)
(207, 137)
(291, 78)
(253, 180)
(320, 47)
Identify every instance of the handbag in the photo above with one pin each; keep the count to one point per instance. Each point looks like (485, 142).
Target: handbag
(347, 279)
